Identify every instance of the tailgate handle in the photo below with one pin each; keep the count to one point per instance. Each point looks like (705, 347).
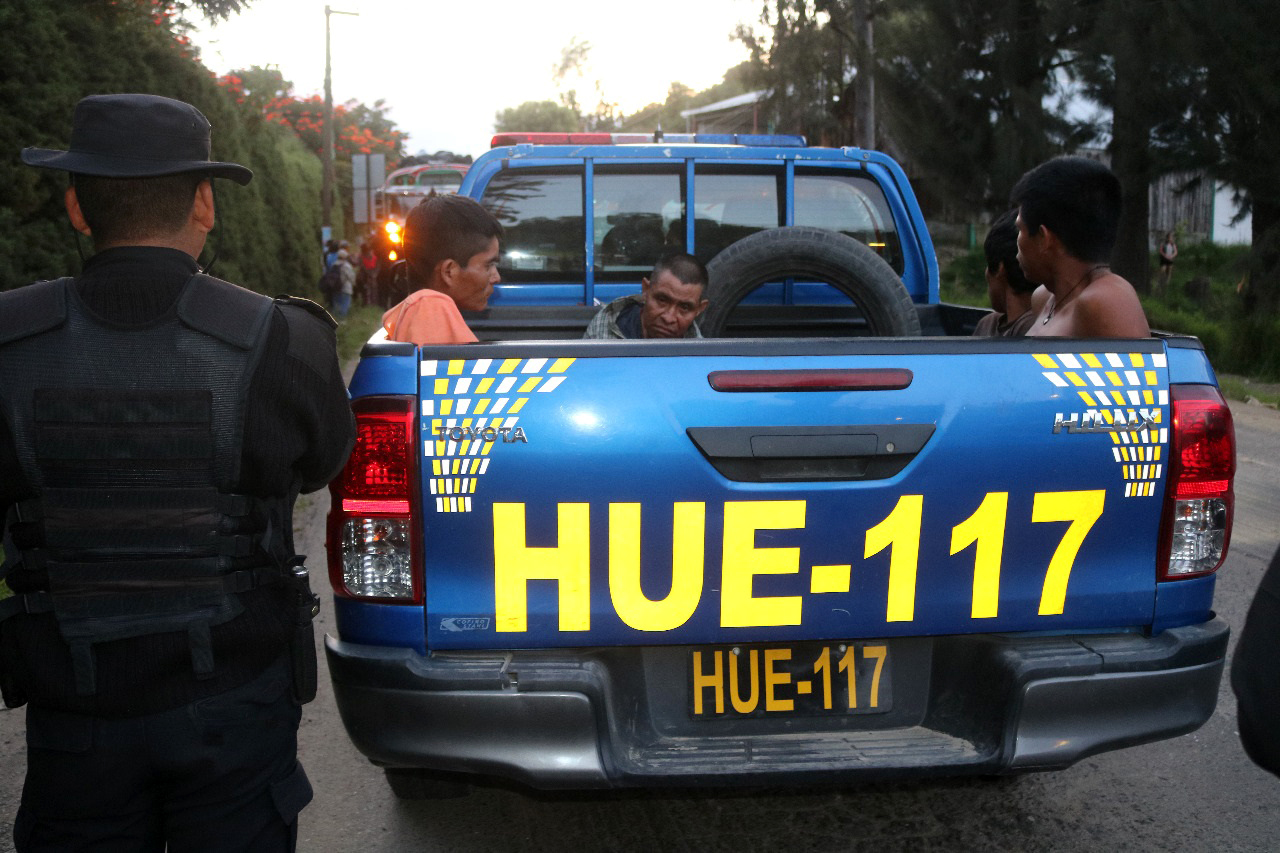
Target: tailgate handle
(760, 454)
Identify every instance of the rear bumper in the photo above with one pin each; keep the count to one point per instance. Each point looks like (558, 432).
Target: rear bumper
(616, 717)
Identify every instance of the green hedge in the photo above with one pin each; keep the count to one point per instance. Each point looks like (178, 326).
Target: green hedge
(53, 54)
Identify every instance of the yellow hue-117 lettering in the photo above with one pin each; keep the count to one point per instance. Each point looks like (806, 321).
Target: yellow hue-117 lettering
(747, 524)
(739, 606)
(515, 564)
(1082, 509)
(773, 679)
(748, 704)
(713, 680)
(687, 555)
(986, 528)
(901, 530)
(880, 653)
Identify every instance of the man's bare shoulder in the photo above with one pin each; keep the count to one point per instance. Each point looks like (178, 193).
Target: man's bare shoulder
(1109, 308)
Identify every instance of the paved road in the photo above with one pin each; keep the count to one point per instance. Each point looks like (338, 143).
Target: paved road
(1195, 793)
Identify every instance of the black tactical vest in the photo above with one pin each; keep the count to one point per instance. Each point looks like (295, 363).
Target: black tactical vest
(132, 439)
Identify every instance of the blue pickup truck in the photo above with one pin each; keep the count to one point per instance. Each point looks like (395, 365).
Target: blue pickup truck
(838, 539)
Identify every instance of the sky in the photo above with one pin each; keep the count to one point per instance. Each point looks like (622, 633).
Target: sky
(445, 69)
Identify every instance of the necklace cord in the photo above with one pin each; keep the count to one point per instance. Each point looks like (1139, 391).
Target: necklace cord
(1087, 277)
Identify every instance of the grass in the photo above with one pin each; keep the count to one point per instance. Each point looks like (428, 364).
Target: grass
(360, 323)
(1241, 388)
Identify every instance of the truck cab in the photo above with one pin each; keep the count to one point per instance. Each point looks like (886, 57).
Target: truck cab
(586, 215)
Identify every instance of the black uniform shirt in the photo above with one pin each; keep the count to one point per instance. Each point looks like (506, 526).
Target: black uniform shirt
(298, 432)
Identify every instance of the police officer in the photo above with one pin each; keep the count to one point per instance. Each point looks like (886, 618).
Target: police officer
(156, 426)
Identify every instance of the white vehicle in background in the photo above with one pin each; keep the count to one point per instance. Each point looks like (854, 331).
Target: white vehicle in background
(402, 191)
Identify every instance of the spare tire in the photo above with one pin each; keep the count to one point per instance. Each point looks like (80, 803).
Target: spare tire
(813, 254)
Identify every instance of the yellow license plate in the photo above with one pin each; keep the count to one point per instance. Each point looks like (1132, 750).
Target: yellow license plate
(799, 679)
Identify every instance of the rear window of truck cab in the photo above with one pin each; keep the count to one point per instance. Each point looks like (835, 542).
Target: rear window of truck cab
(639, 210)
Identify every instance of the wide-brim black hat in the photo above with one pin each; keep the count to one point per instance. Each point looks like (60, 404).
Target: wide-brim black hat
(136, 136)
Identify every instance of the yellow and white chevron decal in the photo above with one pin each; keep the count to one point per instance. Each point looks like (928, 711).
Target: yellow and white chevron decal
(1119, 389)
(471, 406)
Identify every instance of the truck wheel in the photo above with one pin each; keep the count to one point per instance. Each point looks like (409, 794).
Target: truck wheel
(411, 783)
(813, 254)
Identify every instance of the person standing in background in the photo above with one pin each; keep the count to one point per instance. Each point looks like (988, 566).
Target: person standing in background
(346, 284)
(1168, 251)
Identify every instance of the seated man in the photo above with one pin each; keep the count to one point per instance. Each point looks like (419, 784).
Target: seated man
(1007, 288)
(451, 249)
(667, 306)
(1068, 218)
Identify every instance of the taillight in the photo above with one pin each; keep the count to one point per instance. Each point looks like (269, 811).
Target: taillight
(371, 534)
(1199, 502)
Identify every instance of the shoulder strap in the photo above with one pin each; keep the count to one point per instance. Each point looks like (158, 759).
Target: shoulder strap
(311, 338)
(220, 309)
(33, 309)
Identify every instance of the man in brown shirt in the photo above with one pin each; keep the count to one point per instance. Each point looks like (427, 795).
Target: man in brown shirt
(1007, 288)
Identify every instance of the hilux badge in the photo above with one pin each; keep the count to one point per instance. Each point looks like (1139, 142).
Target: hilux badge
(1093, 422)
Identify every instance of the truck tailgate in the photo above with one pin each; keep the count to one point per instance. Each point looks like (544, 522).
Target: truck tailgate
(599, 494)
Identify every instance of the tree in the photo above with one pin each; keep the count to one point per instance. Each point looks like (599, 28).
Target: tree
(575, 64)
(255, 87)
(804, 66)
(438, 157)
(536, 116)
(572, 64)
(1147, 90)
(217, 10)
(665, 116)
(369, 131)
(973, 92)
(359, 129)
(1236, 123)
(854, 108)
(51, 54)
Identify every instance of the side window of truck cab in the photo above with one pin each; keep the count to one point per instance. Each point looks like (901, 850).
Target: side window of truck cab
(851, 203)
(732, 202)
(638, 212)
(542, 221)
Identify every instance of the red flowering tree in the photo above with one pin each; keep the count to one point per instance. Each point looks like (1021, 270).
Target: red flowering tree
(357, 129)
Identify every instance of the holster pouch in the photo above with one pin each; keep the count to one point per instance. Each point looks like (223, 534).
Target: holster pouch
(10, 692)
(302, 648)
(13, 697)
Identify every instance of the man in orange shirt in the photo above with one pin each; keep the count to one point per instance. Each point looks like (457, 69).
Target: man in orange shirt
(451, 248)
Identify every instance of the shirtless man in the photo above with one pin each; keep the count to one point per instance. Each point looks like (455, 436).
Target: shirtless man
(1068, 216)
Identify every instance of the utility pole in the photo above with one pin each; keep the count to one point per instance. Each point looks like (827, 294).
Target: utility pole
(326, 193)
(864, 120)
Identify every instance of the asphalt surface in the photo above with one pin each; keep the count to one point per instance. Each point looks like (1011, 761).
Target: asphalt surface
(1195, 793)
